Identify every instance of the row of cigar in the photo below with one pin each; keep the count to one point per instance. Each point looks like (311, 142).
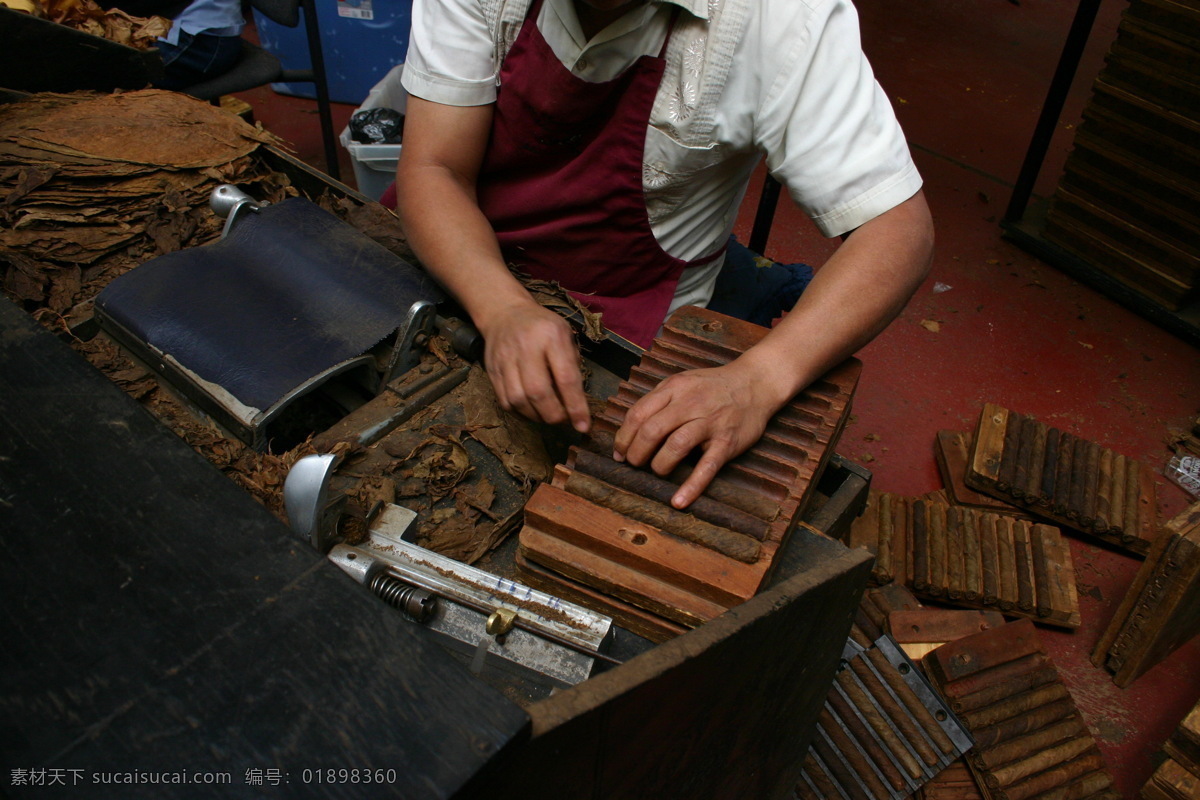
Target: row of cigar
(970, 557)
(875, 738)
(1030, 740)
(1067, 478)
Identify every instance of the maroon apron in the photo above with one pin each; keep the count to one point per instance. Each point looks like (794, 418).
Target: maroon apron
(561, 184)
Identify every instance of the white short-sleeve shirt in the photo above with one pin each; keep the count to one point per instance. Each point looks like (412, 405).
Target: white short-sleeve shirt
(797, 89)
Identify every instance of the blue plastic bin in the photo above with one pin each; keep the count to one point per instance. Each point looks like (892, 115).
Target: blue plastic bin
(361, 39)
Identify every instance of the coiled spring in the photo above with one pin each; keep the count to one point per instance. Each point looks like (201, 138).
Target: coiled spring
(413, 601)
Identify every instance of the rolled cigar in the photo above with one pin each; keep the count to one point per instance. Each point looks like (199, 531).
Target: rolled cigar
(989, 567)
(1049, 468)
(955, 579)
(991, 735)
(1087, 513)
(938, 549)
(1062, 474)
(1022, 747)
(915, 707)
(1116, 519)
(1043, 573)
(862, 735)
(837, 768)
(804, 791)
(1085, 786)
(642, 482)
(1006, 564)
(877, 707)
(868, 617)
(858, 761)
(883, 555)
(1133, 487)
(860, 637)
(721, 489)
(1024, 559)
(920, 547)
(1037, 463)
(901, 542)
(820, 778)
(1039, 760)
(1104, 488)
(1000, 674)
(1078, 479)
(1015, 706)
(685, 526)
(1057, 776)
(1008, 455)
(1025, 436)
(972, 570)
(1005, 689)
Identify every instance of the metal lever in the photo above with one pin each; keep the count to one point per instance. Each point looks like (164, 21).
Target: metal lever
(230, 203)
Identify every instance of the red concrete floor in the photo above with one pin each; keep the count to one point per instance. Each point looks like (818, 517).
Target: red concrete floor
(968, 78)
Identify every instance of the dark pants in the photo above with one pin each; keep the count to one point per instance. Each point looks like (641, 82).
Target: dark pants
(757, 289)
(197, 58)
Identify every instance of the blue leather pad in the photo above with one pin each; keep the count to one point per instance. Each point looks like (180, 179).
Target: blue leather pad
(291, 292)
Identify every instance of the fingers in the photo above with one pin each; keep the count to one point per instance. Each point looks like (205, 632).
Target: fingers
(706, 469)
(534, 368)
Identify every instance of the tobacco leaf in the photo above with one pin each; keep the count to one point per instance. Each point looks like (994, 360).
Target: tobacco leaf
(510, 438)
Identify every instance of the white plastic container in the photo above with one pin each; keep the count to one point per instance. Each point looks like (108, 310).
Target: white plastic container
(375, 164)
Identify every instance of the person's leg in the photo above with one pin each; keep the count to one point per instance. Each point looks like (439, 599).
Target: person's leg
(757, 289)
(197, 58)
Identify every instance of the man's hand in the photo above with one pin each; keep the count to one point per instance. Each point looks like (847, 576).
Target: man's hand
(723, 411)
(531, 358)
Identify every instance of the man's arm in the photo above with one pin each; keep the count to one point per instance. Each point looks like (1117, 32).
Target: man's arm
(530, 351)
(859, 290)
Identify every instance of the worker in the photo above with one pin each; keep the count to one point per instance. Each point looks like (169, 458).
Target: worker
(606, 144)
(204, 40)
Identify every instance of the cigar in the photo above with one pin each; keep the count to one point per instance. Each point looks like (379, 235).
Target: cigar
(1009, 453)
(1104, 492)
(1006, 688)
(1049, 468)
(870, 619)
(1022, 747)
(857, 760)
(883, 555)
(938, 550)
(915, 707)
(955, 579)
(1020, 481)
(992, 735)
(972, 577)
(1054, 585)
(663, 517)
(1062, 474)
(860, 637)
(989, 559)
(1087, 511)
(1024, 559)
(1078, 479)
(998, 675)
(1040, 760)
(648, 484)
(1133, 487)
(1006, 564)
(1059, 775)
(824, 784)
(1116, 518)
(920, 547)
(1087, 786)
(1037, 463)
(870, 711)
(858, 729)
(901, 541)
(1043, 573)
(1015, 706)
(841, 773)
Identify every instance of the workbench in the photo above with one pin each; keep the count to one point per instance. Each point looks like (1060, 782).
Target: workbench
(161, 625)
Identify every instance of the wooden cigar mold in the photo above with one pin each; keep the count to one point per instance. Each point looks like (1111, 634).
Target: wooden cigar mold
(970, 558)
(955, 782)
(1059, 476)
(1178, 777)
(1030, 740)
(882, 733)
(605, 533)
(1158, 613)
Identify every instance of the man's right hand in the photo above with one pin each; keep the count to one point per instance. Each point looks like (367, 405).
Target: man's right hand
(532, 360)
